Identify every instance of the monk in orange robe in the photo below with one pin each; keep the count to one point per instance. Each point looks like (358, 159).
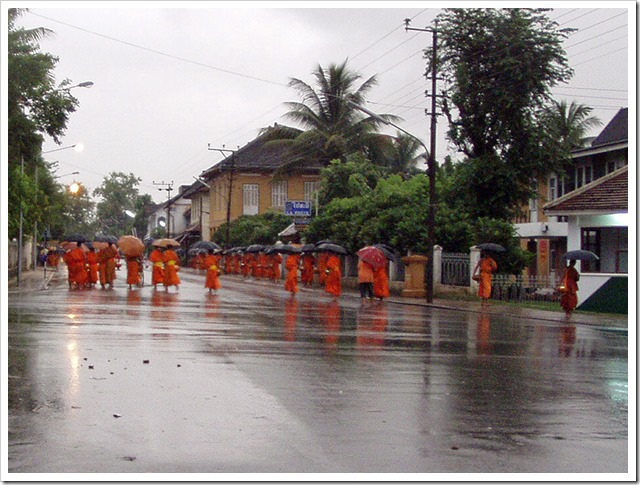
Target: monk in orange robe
(291, 265)
(569, 298)
(275, 263)
(171, 268)
(157, 273)
(322, 267)
(381, 282)
(93, 263)
(486, 267)
(333, 282)
(308, 263)
(134, 267)
(107, 265)
(212, 263)
(76, 263)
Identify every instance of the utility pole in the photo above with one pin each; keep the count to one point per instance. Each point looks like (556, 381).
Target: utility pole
(431, 163)
(232, 170)
(168, 187)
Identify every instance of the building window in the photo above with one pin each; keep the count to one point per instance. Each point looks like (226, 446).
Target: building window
(583, 175)
(278, 194)
(311, 190)
(590, 241)
(250, 199)
(553, 189)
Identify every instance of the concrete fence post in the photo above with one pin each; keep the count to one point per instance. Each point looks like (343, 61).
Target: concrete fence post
(437, 267)
(474, 257)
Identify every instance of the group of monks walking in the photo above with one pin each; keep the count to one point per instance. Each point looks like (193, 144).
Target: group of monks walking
(87, 268)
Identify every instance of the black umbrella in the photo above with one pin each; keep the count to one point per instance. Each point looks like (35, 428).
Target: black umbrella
(496, 248)
(334, 248)
(108, 238)
(580, 254)
(205, 245)
(79, 238)
(308, 248)
(254, 248)
(288, 249)
(388, 251)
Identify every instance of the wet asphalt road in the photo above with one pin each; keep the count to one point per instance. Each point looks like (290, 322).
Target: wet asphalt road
(253, 381)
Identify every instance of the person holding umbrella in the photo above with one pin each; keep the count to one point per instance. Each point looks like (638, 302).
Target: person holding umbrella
(157, 273)
(212, 264)
(483, 273)
(333, 281)
(569, 288)
(365, 280)
(107, 265)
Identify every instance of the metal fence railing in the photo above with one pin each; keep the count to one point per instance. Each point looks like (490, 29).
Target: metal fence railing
(455, 269)
(525, 288)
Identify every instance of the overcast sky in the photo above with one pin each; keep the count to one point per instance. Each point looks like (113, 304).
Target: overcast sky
(171, 84)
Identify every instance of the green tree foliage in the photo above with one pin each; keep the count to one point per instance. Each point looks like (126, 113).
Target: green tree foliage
(35, 108)
(78, 216)
(333, 126)
(119, 193)
(499, 66)
(258, 229)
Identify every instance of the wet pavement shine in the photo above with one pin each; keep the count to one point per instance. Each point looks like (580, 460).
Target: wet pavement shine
(253, 381)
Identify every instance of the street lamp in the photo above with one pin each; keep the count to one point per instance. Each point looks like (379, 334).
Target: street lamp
(431, 171)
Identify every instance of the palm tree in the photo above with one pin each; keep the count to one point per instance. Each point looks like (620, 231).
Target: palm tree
(570, 124)
(333, 125)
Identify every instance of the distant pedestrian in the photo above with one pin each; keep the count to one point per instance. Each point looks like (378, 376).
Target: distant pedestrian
(212, 264)
(134, 270)
(292, 265)
(569, 288)
(107, 265)
(171, 267)
(483, 273)
(308, 268)
(333, 271)
(157, 273)
(365, 280)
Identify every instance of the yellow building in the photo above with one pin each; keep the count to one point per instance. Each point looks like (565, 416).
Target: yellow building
(256, 178)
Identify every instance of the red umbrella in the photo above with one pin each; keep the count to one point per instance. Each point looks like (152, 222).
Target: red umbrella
(373, 255)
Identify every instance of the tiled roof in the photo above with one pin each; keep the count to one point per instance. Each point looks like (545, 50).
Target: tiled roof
(608, 194)
(617, 129)
(257, 156)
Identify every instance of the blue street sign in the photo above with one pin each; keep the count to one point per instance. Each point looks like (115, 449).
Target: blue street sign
(299, 208)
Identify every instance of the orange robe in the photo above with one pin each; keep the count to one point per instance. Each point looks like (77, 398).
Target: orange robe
(322, 267)
(333, 282)
(92, 261)
(171, 268)
(381, 282)
(275, 262)
(308, 263)
(569, 299)
(487, 267)
(291, 265)
(212, 263)
(133, 270)
(157, 274)
(76, 261)
(107, 265)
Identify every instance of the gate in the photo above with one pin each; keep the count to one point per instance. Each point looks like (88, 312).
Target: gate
(456, 269)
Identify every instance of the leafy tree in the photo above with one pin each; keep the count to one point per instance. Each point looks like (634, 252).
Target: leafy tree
(35, 108)
(258, 229)
(333, 125)
(356, 176)
(79, 214)
(570, 124)
(119, 193)
(499, 66)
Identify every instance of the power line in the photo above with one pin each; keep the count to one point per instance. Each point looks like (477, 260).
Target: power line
(154, 51)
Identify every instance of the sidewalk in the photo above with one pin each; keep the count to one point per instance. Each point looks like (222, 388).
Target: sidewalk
(34, 280)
